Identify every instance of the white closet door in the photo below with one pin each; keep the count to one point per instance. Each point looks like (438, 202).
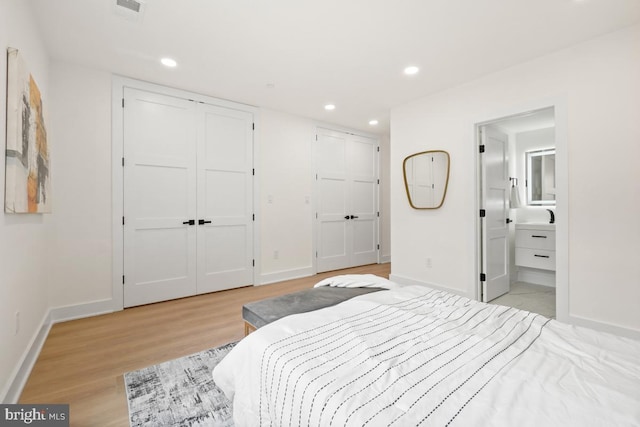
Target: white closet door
(159, 196)
(347, 200)
(363, 169)
(225, 192)
(334, 244)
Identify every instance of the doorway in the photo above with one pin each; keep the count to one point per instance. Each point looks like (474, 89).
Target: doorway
(517, 243)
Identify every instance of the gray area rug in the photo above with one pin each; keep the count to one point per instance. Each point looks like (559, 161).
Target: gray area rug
(179, 392)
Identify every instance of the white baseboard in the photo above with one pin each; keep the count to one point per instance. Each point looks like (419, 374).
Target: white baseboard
(21, 373)
(538, 277)
(79, 311)
(385, 259)
(603, 327)
(408, 281)
(279, 276)
(53, 315)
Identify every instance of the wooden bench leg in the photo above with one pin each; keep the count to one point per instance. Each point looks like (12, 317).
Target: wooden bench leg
(248, 328)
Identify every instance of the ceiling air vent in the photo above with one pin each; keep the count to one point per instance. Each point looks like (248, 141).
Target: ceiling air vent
(129, 4)
(130, 9)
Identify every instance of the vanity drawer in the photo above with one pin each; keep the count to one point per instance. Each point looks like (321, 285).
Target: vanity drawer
(536, 239)
(536, 258)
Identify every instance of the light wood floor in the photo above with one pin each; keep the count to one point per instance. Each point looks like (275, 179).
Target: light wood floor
(82, 361)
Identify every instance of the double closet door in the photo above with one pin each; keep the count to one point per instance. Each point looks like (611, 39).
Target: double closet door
(188, 189)
(347, 200)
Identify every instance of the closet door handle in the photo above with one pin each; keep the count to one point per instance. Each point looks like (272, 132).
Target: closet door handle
(353, 217)
(346, 217)
(541, 256)
(190, 222)
(538, 237)
(202, 221)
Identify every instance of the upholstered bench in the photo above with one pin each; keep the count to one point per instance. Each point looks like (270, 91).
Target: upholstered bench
(259, 313)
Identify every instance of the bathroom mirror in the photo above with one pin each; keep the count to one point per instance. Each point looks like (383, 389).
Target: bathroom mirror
(541, 177)
(426, 176)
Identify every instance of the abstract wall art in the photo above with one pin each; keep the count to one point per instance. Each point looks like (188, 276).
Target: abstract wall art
(28, 179)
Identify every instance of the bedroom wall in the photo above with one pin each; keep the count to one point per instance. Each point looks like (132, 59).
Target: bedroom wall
(24, 244)
(286, 189)
(284, 172)
(81, 277)
(81, 235)
(598, 80)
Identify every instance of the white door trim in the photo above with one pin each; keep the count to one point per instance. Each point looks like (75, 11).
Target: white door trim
(117, 190)
(562, 195)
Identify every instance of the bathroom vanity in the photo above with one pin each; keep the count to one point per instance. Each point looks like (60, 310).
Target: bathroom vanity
(536, 246)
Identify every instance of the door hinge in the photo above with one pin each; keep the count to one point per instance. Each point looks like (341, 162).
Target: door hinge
(483, 213)
(316, 177)
(316, 254)
(122, 102)
(378, 214)
(253, 262)
(378, 182)
(483, 277)
(254, 217)
(253, 171)
(316, 215)
(253, 126)
(378, 247)
(482, 148)
(123, 162)
(123, 279)
(122, 220)
(316, 137)
(378, 149)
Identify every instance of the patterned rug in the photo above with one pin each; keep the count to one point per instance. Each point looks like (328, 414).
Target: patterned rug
(179, 392)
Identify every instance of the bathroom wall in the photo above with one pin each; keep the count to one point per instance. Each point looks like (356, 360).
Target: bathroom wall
(522, 142)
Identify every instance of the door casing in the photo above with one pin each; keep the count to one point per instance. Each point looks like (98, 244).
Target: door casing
(329, 128)
(562, 200)
(117, 179)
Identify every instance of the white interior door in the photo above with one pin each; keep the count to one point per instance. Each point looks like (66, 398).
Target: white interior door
(363, 172)
(159, 197)
(347, 200)
(495, 202)
(225, 192)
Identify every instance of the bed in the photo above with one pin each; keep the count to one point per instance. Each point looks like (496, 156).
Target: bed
(412, 355)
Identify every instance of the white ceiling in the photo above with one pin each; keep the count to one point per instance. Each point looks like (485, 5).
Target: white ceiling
(347, 52)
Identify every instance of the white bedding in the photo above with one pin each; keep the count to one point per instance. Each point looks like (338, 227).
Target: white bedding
(417, 356)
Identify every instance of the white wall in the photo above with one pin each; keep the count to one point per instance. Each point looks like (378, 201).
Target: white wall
(286, 171)
(529, 141)
(285, 178)
(600, 83)
(24, 245)
(81, 236)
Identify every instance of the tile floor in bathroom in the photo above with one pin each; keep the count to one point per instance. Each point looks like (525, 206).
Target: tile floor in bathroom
(527, 296)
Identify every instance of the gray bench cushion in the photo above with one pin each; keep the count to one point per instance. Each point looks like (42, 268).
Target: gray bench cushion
(260, 313)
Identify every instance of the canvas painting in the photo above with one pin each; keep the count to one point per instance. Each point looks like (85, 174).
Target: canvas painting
(27, 180)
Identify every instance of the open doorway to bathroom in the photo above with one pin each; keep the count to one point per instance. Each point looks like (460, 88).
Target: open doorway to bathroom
(517, 199)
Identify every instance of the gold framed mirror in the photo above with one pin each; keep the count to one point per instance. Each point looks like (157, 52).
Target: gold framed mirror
(426, 177)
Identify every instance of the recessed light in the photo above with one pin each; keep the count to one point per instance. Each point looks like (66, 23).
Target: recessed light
(373, 122)
(168, 62)
(329, 107)
(411, 70)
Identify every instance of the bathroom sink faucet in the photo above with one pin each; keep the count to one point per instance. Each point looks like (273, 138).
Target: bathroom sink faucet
(552, 219)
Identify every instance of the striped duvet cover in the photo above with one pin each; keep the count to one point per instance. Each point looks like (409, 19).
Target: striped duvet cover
(418, 356)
